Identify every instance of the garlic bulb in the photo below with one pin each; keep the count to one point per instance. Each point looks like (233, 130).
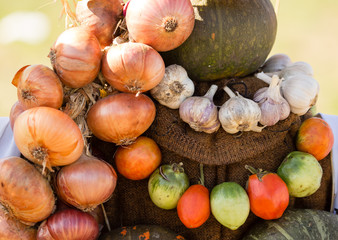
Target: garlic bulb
(239, 114)
(174, 88)
(273, 106)
(299, 90)
(201, 112)
(276, 63)
(295, 69)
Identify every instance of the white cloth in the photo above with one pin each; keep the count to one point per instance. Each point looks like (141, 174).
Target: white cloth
(332, 120)
(7, 144)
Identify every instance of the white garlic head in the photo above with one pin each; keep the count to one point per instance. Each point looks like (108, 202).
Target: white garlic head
(200, 112)
(239, 114)
(276, 63)
(174, 88)
(272, 104)
(301, 92)
(295, 69)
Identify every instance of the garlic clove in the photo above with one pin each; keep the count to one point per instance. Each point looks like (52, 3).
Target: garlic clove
(174, 88)
(200, 112)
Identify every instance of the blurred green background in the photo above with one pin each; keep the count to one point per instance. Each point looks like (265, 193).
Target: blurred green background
(307, 31)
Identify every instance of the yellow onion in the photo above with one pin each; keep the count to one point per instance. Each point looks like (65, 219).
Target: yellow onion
(100, 17)
(121, 118)
(69, 224)
(38, 85)
(163, 25)
(76, 57)
(16, 110)
(48, 137)
(86, 183)
(12, 228)
(132, 67)
(24, 192)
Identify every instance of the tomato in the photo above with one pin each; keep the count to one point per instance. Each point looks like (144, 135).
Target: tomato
(268, 194)
(193, 208)
(167, 184)
(230, 204)
(315, 136)
(301, 172)
(138, 160)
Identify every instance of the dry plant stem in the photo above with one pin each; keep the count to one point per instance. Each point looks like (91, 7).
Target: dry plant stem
(276, 7)
(105, 217)
(70, 19)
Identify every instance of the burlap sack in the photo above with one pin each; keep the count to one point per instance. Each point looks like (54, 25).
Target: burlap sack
(224, 157)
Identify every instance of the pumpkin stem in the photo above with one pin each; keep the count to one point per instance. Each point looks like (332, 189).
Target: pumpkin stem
(169, 24)
(202, 175)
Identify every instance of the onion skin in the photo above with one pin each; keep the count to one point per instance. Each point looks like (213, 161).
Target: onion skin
(132, 67)
(69, 224)
(76, 57)
(38, 85)
(16, 110)
(100, 17)
(24, 191)
(86, 183)
(163, 25)
(11, 228)
(121, 118)
(48, 137)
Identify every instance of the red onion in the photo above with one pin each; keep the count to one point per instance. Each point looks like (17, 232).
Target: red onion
(16, 110)
(69, 224)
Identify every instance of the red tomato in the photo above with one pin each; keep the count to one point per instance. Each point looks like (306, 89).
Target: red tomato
(268, 195)
(138, 160)
(193, 208)
(315, 137)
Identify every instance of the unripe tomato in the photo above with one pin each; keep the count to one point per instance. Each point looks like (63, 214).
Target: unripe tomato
(268, 194)
(139, 159)
(167, 184)
(315, 136)
(193, 208)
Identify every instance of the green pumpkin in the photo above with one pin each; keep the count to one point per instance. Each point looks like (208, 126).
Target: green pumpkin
(297, 224)
(141, 232)
(231, 38)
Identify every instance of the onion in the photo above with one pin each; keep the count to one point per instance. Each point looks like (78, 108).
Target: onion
(16, 110)
(38, 85)
(132, 67)
(76, 57)
(163, 25)
(121, 118)
(69, 224)
(11, 228)
(48, 137)
(86, 183)
(100, 17)
(24, 192)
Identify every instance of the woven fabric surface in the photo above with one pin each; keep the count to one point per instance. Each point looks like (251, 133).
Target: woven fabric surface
(223, 156)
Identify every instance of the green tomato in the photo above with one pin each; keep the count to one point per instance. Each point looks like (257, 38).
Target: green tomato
(166, 185)
(301, 172)
(230, 204)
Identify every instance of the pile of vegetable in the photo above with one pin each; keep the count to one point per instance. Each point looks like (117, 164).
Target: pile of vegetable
(107, 69)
